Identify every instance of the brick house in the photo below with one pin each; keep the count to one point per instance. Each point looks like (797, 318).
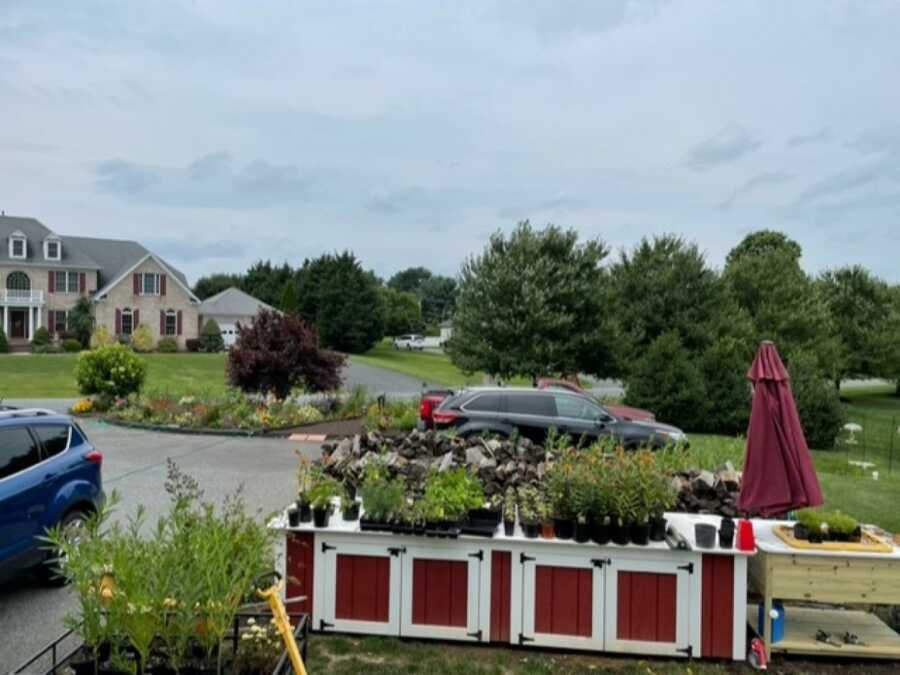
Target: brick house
(43, 274)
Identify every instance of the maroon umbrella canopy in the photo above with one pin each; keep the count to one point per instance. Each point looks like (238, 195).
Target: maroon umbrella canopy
(778, 469)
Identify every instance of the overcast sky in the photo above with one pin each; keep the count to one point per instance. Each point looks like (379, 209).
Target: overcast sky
(218, 133)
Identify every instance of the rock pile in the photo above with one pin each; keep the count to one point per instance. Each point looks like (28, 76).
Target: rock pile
(499, 464)
(709, 491)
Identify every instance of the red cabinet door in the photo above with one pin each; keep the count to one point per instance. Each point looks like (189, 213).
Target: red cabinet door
(648, 607)
(442, 593)
(562, 601)
(361, 588)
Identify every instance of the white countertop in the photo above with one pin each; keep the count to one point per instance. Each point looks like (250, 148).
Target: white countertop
(683, 523)
(769, 542)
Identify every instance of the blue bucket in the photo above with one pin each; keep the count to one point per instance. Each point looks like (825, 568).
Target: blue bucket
(777, 623)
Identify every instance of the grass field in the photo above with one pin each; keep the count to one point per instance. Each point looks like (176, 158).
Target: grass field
(425, 366)
(52, 375)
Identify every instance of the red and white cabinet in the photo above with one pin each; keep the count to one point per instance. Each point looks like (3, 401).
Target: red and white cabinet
(651, 601)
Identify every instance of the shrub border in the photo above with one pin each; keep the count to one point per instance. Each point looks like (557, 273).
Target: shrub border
(207, 431)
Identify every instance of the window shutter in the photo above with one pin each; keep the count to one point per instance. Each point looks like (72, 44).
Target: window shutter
(162, 322)
(137, 284)
(118, 321)
(162, 284)
(137, 319)
(51, 319)
(51, 281)
(178, 322)
(82, 282)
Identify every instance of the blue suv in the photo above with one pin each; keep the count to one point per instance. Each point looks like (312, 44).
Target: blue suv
(49, 474)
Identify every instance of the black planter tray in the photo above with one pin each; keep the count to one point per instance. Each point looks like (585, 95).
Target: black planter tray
(367, 525)
(56, 656)
(485, 516)
(478, 528)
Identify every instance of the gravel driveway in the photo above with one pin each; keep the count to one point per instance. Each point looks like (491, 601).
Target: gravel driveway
(135, 466)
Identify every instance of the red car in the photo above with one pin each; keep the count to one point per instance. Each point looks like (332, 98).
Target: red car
(624, 412)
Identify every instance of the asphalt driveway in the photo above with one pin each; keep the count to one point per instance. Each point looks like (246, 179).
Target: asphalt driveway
(134, 465)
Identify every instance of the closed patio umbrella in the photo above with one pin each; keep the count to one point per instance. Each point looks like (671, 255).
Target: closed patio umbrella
(778, 469)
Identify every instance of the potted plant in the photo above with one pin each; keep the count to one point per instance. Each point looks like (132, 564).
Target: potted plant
(320, 498)
(349, 507)
(509, 512)
(558, 482)
(582, 489)
(601, 501)
(307, 474)
(543, 510)
(529, 511)
(293, 516)
(665, 499)
(622, 500)
(448, 498)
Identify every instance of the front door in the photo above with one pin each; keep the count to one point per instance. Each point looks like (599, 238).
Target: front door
(17, 319)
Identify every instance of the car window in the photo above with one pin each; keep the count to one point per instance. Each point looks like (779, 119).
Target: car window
(483, 403)
(530, 404)
(54, 437)
(18, 450)
(577, 407)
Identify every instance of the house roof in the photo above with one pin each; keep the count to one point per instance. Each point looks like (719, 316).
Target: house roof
(232, 302)
(36, 232)
(111, 257)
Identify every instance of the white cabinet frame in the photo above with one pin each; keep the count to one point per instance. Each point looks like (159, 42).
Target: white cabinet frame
(478, 572)
(528, 566)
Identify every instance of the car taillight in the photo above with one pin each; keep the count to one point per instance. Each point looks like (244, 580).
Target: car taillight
(94, 457)
(444, 416)
(426, 407)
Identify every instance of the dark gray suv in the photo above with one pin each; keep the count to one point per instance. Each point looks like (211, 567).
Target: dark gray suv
(533, 412)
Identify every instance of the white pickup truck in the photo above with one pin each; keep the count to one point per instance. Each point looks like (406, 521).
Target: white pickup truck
(409, 342)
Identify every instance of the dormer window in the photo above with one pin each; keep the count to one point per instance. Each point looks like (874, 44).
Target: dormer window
(17, 246)
(52, 248)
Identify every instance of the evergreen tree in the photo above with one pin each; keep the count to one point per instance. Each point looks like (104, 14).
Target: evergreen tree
(289, 302)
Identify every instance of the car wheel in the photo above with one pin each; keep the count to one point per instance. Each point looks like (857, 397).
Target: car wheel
(72, 527)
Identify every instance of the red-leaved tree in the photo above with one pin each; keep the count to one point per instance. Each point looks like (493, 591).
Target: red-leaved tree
(278, 352)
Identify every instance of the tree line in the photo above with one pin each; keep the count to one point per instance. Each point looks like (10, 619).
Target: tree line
(351, 307)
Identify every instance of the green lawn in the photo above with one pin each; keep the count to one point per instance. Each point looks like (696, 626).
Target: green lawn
(52, 375)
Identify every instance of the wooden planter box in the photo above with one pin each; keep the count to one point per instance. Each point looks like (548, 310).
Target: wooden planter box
(55, 657)
(551, 593)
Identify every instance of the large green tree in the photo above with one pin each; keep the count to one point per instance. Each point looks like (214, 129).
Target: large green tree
(208, 286)
(342, 300)
(289, 301)
(409, 280)
(401, 312)
(438, 295)
(534, 303)
(265, 281)
(783, 302)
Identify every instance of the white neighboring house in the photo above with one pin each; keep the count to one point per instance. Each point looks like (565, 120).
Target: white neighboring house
(228, 308)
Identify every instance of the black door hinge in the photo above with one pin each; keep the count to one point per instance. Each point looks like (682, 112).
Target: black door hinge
(479, 555)
(689, 567)
(327, 547)
(476, 635)
(397, 550)
(688, 651)
(600, 562)
(524, 558)
(523, 639)
(323, 624)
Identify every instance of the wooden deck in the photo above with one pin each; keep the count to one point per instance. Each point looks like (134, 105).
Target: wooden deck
(801, 624)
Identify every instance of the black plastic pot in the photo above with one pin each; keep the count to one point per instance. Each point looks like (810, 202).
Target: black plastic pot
(726, 533)
(351, 513)
(531, 530)
(321, 517)
(293, 517)
(485, 515)
(509, 528)
(582, 532)
(639, 533)
(305, 512)
(564, 528)
(658, 529)
(815, 537)
(619, 532)
(705, 534)
(801, 531)
(600, 531)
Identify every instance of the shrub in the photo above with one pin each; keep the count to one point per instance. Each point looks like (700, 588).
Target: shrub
(110, 371)
(4, 343)
(211, 337)
(142, 339)
(71, 345)
(81, 321)
(101, 337)
(666, 381)
(167, 345)
(818, 402)
(724, 367)
(41, 337)
(278, 352)
(192, 344)
(82, 407)
(46, 349)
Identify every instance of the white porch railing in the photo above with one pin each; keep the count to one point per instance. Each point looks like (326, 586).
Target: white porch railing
(12, 296)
